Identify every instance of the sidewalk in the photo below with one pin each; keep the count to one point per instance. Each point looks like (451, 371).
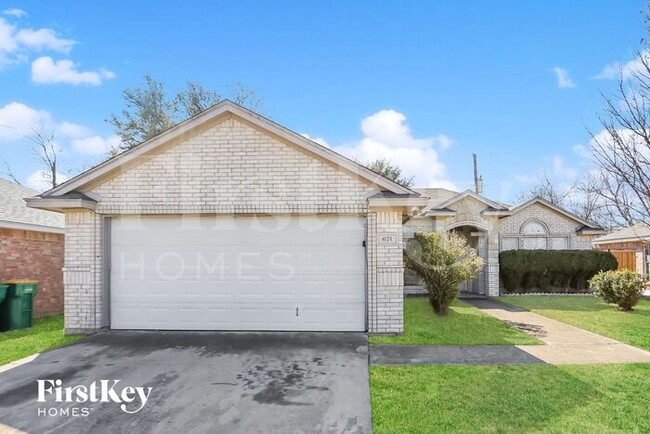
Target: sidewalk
(565, 344)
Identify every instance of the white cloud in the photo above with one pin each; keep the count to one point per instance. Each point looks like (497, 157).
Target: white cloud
(387, 135)
(17, 120)
(39, 181)
(319, 140)
(72, 130)
(563, 79)
(47, 71)
(43, 39)
(14, 12)
(95, 145)
(624, 70)
(16, 43)
(562, 170)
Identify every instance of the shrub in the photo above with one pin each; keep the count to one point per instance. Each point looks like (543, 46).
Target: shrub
(622, 287)
(529, 270)
(442, 261)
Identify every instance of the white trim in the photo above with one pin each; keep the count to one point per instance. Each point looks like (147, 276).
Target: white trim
(56, 204)
(554, 208)
(466, 223)
(440, 212)
(641, 239)
(219, 109)
(465, 194)
(498, 213)
(30, 227)
(417, 202)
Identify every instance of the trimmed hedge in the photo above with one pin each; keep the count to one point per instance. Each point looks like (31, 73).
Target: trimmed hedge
(524, 271)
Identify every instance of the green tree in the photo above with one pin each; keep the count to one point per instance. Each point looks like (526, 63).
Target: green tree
(148, 113)
(149, 110)
(442, 261)
(391, 171)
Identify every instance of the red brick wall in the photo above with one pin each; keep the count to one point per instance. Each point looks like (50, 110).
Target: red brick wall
(35, 255)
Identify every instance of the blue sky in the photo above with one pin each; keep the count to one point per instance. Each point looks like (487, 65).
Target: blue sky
(423, 83)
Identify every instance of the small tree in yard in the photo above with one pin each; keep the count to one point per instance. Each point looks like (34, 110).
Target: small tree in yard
(442, 261)
(621, 287)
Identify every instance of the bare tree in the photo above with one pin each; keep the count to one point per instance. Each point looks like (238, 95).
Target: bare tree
(9, 173)
(545, 188)
(622, 148)
(45, 152)
(246, 97)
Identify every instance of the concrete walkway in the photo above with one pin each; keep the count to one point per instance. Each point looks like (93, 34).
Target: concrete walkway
(450, 355)
(565, 344)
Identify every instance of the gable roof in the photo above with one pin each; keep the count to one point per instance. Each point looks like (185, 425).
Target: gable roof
(15, 214)
(435, 196)
(221, 109)
(495, 206)
(636, 232)
(558, 209)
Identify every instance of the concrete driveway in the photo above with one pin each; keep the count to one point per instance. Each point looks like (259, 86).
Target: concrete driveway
(202, 382)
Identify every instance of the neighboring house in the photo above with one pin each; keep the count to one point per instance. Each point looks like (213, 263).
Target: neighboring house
(229, 221)
(630, 246)
(491, 227)
(31, 246)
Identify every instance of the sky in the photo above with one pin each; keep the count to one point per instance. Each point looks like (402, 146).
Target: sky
(424, 84)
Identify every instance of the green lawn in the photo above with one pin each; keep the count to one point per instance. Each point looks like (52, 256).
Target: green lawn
(463, 325)
(592, 314)
(510, 399)
(45, 334)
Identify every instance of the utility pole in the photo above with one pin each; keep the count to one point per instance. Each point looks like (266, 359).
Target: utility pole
(478, 180)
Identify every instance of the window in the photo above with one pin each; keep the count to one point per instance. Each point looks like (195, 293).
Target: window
(533, 228)
(509, 243)
(559, 243)
(534, 243)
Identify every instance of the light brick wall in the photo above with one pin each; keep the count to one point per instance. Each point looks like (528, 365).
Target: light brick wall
(558, 224)
(82, 271)
(231, 168)
(385, 272)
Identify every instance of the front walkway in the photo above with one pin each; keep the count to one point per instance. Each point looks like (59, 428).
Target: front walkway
(565, 344)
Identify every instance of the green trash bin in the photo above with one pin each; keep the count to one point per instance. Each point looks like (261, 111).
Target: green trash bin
(17, 309)
(3, 292)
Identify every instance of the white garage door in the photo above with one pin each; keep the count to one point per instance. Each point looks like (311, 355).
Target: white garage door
(238, 273)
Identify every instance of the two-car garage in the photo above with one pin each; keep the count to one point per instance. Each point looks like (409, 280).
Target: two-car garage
(238, 273)
(229, 221)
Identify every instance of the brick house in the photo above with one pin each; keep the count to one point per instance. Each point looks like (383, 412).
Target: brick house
(491, 227)
(630, 246)
(31, 246)
(229, 221)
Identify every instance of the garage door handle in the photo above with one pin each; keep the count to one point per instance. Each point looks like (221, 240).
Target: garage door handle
(296, 311)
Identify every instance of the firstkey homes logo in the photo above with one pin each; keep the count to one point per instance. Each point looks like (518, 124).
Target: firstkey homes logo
(77, 400)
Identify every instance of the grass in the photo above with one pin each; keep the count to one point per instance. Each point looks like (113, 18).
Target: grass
(463, 325)
(510, 399)
(592, 314)
(46, 333)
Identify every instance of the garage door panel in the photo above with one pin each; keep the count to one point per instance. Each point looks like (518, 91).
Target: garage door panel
(228, 274)
(307, 289)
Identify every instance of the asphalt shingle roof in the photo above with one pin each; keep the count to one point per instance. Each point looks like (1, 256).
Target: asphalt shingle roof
(14, 209)
(639, 231)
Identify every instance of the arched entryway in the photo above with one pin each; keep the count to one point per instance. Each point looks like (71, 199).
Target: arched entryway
(476, 237)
